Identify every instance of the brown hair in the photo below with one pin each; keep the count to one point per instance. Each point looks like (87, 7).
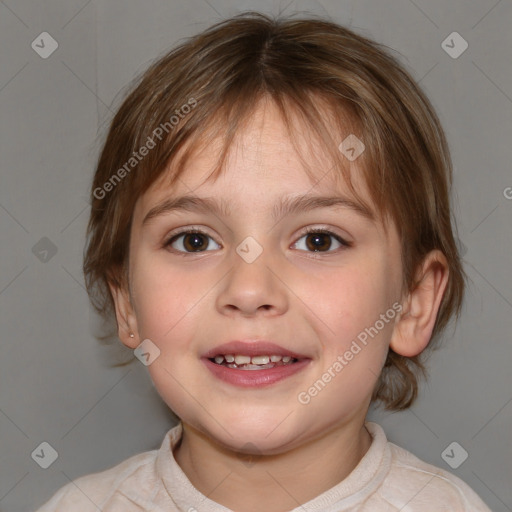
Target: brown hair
(312, 68)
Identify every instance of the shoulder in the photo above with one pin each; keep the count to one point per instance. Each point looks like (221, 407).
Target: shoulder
(89, 492)
(426, 487)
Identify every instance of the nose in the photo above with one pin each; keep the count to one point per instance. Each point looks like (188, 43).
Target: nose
(251, 289)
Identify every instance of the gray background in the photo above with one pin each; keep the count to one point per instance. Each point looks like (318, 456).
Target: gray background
(56, 384)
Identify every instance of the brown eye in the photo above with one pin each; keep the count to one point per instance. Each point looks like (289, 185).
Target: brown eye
(319, 240)
(191, 241)
(195, 242)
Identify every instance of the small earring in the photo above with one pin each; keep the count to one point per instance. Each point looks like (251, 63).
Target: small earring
(132, 335)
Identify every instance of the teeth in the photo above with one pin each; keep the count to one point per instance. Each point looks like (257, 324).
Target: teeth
(242, 359)
(260, 359)
(263, 361)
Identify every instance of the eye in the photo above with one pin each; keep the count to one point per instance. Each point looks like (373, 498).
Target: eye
(191, 240)
(320, 240)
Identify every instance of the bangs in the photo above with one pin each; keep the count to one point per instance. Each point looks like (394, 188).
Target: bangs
(316, 126)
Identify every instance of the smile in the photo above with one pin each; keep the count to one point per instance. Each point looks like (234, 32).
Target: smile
(253, 363)
(261, 362)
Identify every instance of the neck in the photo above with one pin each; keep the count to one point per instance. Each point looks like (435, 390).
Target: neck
(275, 483)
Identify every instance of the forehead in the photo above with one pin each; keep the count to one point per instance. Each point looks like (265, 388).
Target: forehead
(263, 153)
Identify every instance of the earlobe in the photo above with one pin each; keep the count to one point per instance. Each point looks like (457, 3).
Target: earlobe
(413, 330)
(126, 320)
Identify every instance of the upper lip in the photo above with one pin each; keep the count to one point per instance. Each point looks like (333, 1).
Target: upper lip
(252, 348)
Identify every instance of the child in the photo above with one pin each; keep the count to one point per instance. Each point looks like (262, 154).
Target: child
(271, 226)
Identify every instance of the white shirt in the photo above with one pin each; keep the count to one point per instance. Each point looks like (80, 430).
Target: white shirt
(387, 479)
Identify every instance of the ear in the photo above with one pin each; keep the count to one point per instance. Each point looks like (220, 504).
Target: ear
(414, 328)
(126, 320)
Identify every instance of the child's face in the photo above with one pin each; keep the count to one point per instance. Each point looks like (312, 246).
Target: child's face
(311, 303)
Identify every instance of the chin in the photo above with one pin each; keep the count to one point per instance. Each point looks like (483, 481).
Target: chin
(255, 433)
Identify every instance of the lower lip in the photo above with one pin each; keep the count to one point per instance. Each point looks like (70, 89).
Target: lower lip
(255, 378)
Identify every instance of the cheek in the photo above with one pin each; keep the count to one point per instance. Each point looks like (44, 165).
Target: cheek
(350, 304)
(166, 306)
(164, 300)
(349, 299)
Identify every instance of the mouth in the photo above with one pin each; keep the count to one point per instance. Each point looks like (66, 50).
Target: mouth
(253, 364)
(259, 362)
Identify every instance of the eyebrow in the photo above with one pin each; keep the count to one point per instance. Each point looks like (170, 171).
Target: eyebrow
(285, 206)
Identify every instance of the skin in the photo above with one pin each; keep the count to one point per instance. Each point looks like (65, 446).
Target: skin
(312, 302)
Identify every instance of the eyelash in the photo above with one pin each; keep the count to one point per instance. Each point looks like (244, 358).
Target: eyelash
(307, 231)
